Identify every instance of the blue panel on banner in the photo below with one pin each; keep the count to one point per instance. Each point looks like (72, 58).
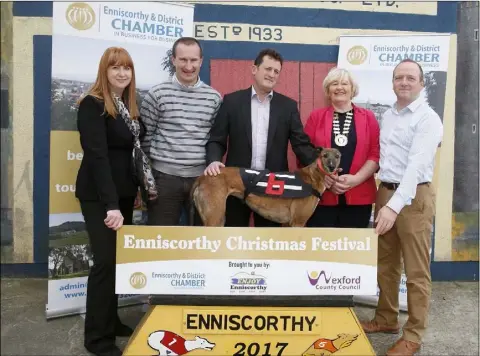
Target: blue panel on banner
(42, 69)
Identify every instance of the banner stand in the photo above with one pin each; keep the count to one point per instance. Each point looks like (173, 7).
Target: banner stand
(208, 322)
(147, 30)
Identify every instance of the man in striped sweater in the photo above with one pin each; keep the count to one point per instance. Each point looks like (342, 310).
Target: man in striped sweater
(177, 116)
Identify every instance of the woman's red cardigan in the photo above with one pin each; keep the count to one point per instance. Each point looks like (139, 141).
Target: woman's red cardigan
(319, 129)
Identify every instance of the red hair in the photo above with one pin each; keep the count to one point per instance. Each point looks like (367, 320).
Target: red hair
(115, 56)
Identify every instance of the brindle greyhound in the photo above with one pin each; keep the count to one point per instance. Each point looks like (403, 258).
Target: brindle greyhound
(209, 193)
(325, 347)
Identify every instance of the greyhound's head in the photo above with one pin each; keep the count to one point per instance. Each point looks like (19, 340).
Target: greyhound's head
(328, 159)
(344, 340)
(202, 343)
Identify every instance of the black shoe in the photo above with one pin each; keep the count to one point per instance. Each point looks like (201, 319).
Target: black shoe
(123, 330)
(110, 351)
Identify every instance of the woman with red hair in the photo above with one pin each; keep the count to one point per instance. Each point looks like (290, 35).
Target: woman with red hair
(109, 132)
(354, 131)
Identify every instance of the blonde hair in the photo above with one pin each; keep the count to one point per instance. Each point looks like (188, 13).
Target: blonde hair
(337, 74)
(114, 56)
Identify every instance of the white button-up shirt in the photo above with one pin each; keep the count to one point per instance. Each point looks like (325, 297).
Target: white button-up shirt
(260, 122)
(408, 142)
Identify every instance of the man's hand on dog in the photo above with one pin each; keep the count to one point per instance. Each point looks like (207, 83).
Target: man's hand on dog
(385, 219)
(213, 168)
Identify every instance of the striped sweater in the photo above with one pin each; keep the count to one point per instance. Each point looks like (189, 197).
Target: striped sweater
(177, 122)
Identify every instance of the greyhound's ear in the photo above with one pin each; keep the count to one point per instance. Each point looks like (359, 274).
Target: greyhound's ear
(318, 149)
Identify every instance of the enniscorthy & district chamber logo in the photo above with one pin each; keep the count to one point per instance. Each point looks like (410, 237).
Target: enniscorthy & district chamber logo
(80, 16)
(138, 280)
(357, 55)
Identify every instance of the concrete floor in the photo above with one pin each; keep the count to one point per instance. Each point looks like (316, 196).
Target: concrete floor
(453, 329)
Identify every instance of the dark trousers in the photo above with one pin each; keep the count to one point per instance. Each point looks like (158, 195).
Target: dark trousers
(341, 215)
(102, 302)
(173, 197)
(238, 215)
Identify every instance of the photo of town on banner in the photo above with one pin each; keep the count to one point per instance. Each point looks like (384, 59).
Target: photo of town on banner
(74, 71)
(69, 251)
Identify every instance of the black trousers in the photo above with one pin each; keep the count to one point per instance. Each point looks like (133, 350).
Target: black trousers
(341, 215)
(102, 302)
(173, 197)
(238, 215)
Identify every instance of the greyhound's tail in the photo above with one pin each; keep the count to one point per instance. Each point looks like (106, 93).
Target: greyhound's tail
(192, 203)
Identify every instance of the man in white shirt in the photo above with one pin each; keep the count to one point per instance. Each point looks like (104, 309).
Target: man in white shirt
(410, 133)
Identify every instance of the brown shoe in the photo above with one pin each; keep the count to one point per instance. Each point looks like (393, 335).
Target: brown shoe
(373, 327)
(403, 348)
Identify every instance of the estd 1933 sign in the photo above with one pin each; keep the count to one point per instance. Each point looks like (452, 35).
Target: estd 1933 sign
(238, 32)
(248, 331)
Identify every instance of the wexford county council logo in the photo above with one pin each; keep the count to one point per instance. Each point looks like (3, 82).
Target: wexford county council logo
(357, 55)
(80, 16)
(333, 283)
(138, 280)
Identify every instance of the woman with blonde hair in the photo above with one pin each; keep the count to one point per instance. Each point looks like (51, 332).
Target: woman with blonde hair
(106, 188)
(354, 131)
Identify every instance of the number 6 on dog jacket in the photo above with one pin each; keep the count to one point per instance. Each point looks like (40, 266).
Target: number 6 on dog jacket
(280, 185)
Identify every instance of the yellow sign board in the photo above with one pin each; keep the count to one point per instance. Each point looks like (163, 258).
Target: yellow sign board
(252, 331)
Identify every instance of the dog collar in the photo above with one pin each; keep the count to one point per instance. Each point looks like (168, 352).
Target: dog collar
(316, 193)
(320, 166)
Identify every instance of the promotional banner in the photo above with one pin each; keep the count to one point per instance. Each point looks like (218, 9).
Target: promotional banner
(371, 60)
(82, 31)
(245, 261)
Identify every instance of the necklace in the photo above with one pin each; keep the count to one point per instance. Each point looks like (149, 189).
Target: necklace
(341, 139)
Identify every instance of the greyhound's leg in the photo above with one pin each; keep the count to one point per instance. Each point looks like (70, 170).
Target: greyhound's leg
(217, 213)
(297, 221)
(301, 210)
(212, 210)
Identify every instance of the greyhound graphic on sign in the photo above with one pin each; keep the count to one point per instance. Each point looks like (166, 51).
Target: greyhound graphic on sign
(168, 343)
